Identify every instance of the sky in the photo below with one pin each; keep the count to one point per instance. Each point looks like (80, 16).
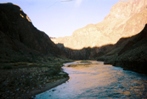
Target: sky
(59, 18)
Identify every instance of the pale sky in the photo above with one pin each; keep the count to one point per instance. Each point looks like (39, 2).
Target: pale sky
(59, 18)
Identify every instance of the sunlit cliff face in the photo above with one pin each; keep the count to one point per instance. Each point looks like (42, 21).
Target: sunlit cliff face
(126, 18)
(126, 8)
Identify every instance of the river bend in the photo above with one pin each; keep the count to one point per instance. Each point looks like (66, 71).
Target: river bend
(98, 81)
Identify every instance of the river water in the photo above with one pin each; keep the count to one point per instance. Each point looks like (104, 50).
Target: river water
(99, 81)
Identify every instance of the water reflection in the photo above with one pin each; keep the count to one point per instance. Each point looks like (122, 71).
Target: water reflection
(98, 81)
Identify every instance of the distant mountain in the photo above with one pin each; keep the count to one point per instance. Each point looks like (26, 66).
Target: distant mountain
(126, 18)
(19, 39)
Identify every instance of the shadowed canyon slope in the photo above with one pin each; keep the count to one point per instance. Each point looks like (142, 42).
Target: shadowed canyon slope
(28, 58)
(126, 18)
(18, 36)
(130, 53)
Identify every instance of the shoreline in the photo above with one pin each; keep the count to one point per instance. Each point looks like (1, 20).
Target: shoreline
(20, 81)
(46, 87)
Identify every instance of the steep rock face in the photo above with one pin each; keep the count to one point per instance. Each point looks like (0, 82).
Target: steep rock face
(129, 53)
(19, 37)
(125, 19)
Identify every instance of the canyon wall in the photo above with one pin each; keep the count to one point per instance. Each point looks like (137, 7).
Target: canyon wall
(126, 18)
(19, 39)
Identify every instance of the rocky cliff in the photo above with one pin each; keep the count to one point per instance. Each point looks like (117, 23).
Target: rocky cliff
(129, 53)
(19, 39)
(126, 18)
(28, 58)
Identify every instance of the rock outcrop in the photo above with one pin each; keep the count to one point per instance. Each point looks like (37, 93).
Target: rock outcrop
(126, 18)
(19, 38)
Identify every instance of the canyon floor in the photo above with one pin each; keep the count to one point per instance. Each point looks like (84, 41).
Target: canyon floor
(22, 80)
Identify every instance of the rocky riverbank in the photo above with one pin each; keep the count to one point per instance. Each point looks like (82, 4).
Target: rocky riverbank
(22, 80)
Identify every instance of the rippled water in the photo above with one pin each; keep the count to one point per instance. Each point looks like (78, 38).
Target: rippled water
(98, 81)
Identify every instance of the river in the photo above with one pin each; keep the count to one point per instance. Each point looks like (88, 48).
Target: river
(98, 81)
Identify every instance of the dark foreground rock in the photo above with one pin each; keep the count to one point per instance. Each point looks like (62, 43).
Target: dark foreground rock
(28, 58)
(19, 39)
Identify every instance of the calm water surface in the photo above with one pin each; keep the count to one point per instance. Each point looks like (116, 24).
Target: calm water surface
(99, 81)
